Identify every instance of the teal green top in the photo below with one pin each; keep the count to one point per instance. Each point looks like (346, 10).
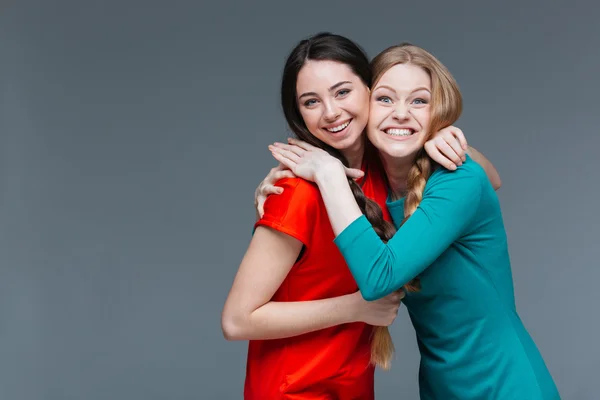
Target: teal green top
(472, 342)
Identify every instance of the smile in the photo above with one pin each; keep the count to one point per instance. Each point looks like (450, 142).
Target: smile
(339, 128)
(399, 132)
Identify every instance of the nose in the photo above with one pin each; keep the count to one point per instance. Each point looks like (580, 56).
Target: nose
(401, 112)
(332, 111)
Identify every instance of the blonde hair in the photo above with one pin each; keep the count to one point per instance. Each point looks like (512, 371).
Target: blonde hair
(446, 107)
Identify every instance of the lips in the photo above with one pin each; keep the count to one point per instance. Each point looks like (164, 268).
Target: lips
(338, 128)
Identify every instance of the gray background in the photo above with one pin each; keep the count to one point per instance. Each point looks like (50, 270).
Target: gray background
(133, 134)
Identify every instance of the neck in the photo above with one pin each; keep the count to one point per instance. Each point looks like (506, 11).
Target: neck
(397, 170)
(355, 153)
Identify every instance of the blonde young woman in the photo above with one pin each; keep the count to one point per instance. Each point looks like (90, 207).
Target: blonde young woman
(450, 242)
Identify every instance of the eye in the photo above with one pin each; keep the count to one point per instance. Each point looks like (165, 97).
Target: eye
(420, 101)
(310, 102)
(343, 92)
(384, 99)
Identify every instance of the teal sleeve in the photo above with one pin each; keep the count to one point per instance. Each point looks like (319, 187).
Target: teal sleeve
(450, 202)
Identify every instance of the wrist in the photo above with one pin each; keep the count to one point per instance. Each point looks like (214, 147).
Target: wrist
(352, 307)
(330, 172)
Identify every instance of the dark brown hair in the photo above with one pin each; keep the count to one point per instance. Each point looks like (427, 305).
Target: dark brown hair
(331, 47)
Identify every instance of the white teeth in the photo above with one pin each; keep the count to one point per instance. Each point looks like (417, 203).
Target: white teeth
(338, 128)
(399, 132)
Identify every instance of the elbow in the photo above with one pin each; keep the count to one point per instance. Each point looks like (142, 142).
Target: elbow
(377, 288)
(494, 177)
(497, 183)
(378, 283)
(232, 328)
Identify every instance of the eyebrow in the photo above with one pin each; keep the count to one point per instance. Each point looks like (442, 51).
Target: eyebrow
(392, 89)
(337, 85)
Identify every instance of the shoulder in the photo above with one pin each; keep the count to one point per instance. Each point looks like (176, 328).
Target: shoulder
(298, 195)
(469, 178)
(297, 189)
(298, 185)
(292, 211)
(468, 173)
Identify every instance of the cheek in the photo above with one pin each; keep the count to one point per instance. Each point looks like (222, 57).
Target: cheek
(373, 126)
(311, 119)
(359, 106)
(372, 136)
(365, 102)
(423, 116)
(377, 115)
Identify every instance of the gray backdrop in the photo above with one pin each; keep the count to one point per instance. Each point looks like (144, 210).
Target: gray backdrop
(133, 134)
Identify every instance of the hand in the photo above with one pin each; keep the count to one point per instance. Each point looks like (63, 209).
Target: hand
(306, 160)
(448, 147)
(380, 312)
(267, 187)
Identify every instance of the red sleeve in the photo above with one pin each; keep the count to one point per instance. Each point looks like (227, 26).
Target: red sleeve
(294, 211)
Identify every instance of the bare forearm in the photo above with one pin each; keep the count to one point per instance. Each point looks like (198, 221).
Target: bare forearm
(488, 167)
(278, 320)
(338, 198)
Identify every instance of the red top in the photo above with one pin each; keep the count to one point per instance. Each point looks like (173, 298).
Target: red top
(331, 363)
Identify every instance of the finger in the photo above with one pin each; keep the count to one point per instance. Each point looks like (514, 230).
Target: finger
(302, 144)
(269, 178)
(267, 190)
(283, 174)
(275, 174)
(393, 298)
(271, 189)
(291, 147)
(354, 173)
(438, 157)
(447, 151)
(456, 146)
(286, 153)
(260, 208)
(461, 137)
(285, 161)
(279, 167)
(282, 167)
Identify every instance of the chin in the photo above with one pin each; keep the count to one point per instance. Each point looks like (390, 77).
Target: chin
(346, 142)
(400, 154)
(398, 147)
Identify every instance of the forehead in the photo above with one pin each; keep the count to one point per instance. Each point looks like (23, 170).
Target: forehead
(405, 77)
(321, 75)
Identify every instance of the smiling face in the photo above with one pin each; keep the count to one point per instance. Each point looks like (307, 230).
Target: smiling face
(333, 102)
(400, 111)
